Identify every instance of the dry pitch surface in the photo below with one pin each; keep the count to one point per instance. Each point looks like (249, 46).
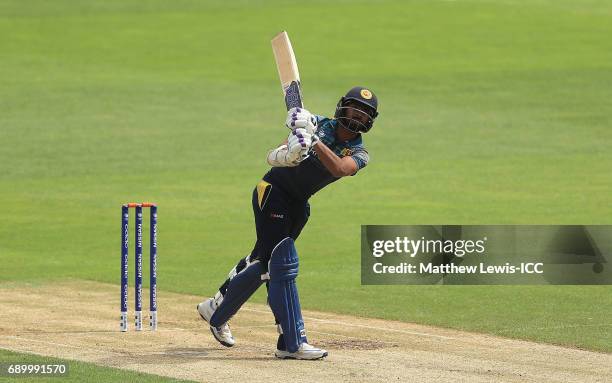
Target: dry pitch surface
(79, 320)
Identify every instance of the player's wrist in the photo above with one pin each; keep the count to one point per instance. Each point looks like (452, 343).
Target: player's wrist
(315, 140)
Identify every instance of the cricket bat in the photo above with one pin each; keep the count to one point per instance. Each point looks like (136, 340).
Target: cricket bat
(287, 70)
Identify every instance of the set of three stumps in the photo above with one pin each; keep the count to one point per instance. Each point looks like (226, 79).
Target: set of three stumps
(125, 208)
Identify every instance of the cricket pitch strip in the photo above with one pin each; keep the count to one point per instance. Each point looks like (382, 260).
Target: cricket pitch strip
(79, 320)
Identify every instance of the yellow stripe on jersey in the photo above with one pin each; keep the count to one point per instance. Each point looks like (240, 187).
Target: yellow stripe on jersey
(263, 190)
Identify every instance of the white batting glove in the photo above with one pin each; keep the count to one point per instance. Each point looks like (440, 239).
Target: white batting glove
(301, 118)
(298, 145)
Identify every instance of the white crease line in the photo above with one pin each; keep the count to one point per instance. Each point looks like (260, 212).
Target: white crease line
(23, 349)
(170, 329)
(364, 326)
(262, 326)
(382, 328)
(273, 326)
(353, 337)
(83, 332)
(556, 327)
(61, 344)
(205, 329)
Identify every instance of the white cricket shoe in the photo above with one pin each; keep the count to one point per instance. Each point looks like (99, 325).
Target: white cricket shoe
(222, 334)
(306, 352)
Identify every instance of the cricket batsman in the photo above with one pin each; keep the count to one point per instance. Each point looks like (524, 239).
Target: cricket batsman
(317, 152)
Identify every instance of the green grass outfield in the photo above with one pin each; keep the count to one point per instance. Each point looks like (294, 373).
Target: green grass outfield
(77, 371)
(492, 112)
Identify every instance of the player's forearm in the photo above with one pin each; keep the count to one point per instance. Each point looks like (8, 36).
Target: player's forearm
(334, 164)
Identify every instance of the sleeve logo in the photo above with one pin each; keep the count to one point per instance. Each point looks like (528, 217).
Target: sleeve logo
(346, 152)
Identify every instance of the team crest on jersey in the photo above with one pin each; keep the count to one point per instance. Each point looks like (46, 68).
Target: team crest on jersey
(346, 152)
(366, 94)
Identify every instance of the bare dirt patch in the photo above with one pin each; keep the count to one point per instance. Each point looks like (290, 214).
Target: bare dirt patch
(79, 320)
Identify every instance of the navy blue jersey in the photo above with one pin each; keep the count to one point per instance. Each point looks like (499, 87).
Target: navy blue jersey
(310, 176)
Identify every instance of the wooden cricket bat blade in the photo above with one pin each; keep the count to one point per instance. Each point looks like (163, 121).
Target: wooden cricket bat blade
(287, 70)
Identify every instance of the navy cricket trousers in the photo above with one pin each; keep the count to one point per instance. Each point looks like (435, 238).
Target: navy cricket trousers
(277, 216)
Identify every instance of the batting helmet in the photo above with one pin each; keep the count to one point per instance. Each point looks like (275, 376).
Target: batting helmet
(357, 110)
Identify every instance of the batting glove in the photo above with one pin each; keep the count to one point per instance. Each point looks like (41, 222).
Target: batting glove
(301, 118)
(298, 144)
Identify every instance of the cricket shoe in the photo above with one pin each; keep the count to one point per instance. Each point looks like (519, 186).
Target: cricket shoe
(305, 352)
(222, 333)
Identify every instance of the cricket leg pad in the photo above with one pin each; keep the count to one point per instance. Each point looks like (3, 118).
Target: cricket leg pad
(283, 294)
(239, 290)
